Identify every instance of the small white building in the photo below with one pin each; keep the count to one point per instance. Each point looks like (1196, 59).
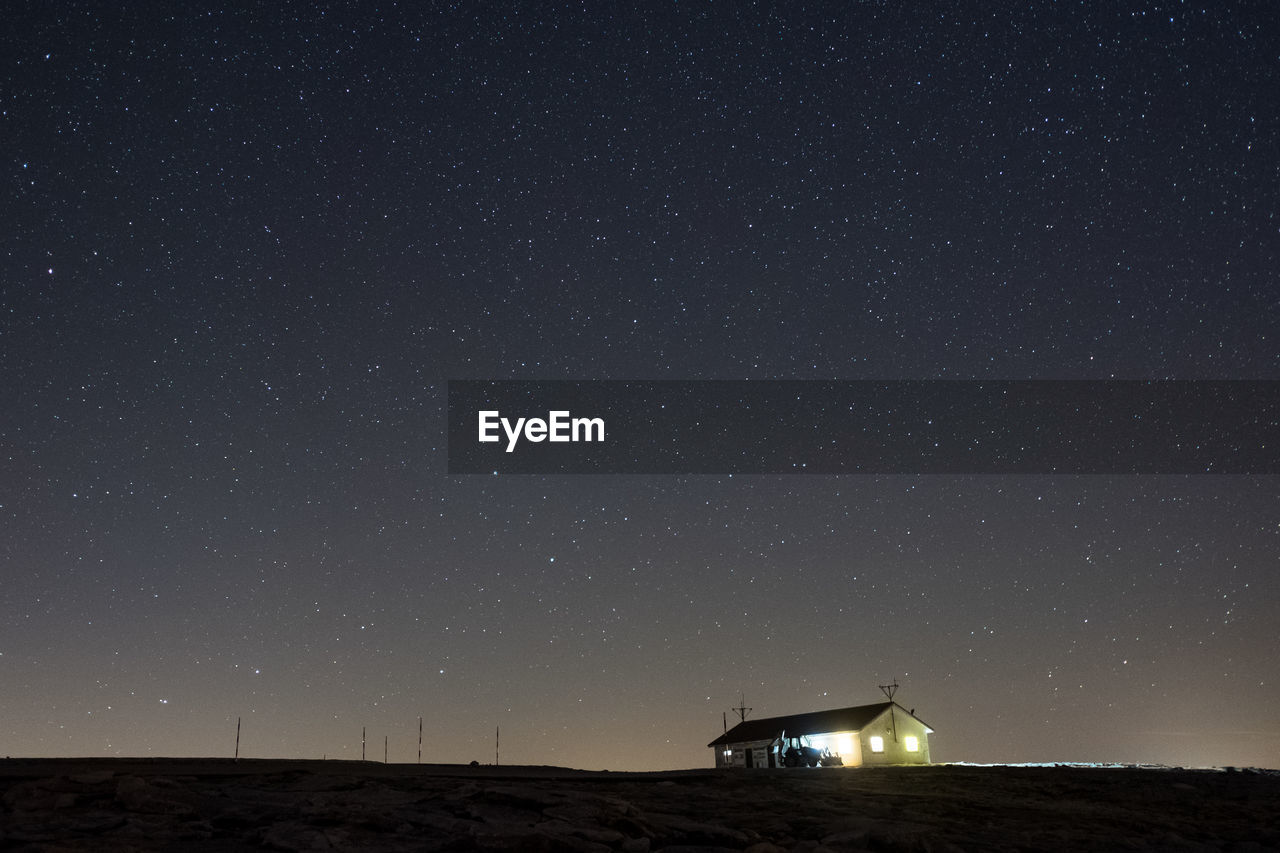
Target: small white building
(883, 733)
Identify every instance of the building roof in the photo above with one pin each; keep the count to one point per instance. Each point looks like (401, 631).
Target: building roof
(815, 722)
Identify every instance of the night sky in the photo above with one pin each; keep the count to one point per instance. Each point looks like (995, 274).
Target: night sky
(243, 248)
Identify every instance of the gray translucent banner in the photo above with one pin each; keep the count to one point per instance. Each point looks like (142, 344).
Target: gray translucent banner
(864, 427)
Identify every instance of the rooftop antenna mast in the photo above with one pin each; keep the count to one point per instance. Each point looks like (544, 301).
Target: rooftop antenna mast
(888, 690)
(742, 710)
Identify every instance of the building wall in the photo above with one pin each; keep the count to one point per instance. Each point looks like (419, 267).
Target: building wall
(735, 754)
(853, 759)
(895, 750)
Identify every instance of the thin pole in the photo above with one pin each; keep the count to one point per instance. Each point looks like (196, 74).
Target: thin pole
(384, 749)
(888, 690)
(419, 740)
(237, 738)
(362, 730)
(497, 738)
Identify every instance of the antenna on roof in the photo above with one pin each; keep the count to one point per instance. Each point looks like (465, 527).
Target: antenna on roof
(742, 710)
(888, 690)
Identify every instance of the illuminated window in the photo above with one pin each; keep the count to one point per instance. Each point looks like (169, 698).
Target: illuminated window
(912, 742)
(877, 743)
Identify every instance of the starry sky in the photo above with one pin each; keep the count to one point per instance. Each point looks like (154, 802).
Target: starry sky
(244, 246)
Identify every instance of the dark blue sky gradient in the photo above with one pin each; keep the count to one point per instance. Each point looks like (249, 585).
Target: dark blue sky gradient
(243, 248)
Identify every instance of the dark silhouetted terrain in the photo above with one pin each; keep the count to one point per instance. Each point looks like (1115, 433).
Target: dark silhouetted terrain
(215, 804)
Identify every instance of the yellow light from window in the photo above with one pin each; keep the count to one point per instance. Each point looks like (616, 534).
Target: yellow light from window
(912, 742)
(877, 743)
(844, 743)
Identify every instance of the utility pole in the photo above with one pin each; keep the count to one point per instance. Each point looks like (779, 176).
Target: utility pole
(237, 738)
(419, 740)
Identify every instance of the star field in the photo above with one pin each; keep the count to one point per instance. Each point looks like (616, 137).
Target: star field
(244, 247)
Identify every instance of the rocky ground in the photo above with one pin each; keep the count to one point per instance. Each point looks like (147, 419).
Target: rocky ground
(202, 805)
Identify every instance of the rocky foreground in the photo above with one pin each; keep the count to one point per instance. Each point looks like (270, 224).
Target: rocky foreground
(202, 805)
